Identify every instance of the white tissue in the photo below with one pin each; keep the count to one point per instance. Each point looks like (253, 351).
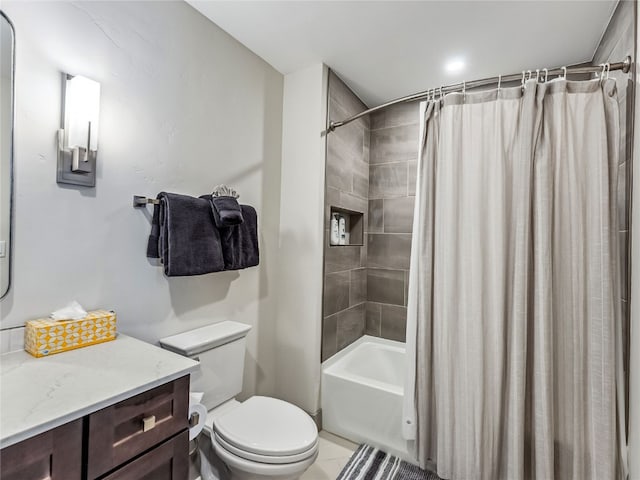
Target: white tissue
(72, 311)
(195, 397)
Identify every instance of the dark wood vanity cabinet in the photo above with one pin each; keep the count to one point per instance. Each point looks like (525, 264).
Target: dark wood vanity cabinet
(56, 454)
(167, 461)
(144, 437)
(117, 433)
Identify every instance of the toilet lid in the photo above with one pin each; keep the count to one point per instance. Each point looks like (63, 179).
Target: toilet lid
(267, 426)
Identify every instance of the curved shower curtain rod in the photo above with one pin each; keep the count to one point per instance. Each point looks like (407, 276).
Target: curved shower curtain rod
(625, 66)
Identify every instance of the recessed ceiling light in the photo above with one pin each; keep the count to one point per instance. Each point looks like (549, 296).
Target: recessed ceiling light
(454, 66)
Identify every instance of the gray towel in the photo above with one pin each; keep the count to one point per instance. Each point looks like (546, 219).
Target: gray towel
(184, 237)
(240, 243)
(226, 211)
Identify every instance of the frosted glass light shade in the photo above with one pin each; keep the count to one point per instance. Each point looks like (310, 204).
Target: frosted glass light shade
(82, 109)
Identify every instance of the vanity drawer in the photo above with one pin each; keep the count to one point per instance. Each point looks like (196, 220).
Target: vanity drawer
(169, 461)
(52, 455)
(118, 433)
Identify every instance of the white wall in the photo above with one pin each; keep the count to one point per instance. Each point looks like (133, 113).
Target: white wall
(634, 402)
(184, 107)
(301, 237)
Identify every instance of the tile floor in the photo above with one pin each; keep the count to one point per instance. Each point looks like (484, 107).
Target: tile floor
(333, 456)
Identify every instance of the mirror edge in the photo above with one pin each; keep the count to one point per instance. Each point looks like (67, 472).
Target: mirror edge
(12, 159)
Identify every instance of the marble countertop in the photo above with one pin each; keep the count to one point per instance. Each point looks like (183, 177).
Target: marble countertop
(38, 394)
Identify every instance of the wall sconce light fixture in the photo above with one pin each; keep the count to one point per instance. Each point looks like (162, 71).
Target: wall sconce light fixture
(78, 135)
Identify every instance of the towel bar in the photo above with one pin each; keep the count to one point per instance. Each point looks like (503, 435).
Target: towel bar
(140, 201)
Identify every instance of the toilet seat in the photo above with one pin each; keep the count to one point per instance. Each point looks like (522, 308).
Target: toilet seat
(244, 468)
(269, 459)
(267, 430)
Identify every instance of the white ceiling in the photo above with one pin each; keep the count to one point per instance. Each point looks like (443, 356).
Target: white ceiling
(387, 49)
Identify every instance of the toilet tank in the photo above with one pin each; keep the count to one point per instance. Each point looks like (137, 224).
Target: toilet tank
(220, 350)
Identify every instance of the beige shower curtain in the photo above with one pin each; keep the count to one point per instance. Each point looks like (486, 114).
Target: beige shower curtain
(513, 333)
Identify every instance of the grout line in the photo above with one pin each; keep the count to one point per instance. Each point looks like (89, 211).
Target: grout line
(393, 197)
(6, 329)
(386, 127)
(407, 189)
(389, 269)
(382, 303)
(343, 271)
(395, 161)
(351, 307)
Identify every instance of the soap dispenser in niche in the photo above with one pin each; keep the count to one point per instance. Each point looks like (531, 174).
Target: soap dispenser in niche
(342, 227)
(335, 229)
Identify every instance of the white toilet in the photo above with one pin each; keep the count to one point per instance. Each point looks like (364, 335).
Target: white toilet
(260, 438)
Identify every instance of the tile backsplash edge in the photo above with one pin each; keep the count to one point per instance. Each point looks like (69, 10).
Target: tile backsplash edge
(11, 340)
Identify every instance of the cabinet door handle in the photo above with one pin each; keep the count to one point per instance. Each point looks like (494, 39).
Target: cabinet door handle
(148, 423)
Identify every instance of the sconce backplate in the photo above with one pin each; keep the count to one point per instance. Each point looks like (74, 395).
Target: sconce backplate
(65, 173)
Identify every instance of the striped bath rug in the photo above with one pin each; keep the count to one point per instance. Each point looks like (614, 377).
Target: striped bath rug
(370, 463)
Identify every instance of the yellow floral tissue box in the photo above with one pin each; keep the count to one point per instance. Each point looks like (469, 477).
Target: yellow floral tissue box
(45, 336)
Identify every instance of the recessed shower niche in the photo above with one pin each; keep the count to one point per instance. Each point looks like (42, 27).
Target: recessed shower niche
(346, 227)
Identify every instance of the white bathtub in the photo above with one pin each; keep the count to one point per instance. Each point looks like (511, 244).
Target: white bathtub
(361, 396)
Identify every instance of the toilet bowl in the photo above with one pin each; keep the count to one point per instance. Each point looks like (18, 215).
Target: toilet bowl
(262, 438)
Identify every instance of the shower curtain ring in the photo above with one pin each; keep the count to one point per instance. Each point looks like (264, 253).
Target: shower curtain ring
(608, 69)
(564, 73)
(604, 69)
(522, 80)
(537, 74)
(464, 91)
(528, 74)
(546, 74)
(499, 82)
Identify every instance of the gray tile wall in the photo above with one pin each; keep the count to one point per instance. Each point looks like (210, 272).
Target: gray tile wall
(346, 186)
(392, 178)
(371, 168)
(618, 42)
